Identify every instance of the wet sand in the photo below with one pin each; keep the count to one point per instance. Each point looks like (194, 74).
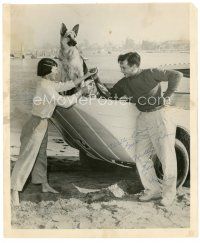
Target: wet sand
(90, 199)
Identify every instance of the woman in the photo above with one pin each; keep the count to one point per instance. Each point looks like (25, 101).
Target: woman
(33, 158)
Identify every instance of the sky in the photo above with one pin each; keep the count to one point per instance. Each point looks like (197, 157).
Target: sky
(33, 26)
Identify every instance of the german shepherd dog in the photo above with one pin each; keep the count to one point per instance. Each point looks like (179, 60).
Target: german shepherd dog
(73, 65)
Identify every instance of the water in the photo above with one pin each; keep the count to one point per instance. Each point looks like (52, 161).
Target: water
(23, 77)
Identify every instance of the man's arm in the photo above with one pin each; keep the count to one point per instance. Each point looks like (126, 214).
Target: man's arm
(117, 91)
(173, 77)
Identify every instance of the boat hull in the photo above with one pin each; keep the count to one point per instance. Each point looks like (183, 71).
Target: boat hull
(104, 129)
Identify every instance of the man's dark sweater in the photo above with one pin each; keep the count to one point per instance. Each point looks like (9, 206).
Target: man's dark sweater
(144, 88)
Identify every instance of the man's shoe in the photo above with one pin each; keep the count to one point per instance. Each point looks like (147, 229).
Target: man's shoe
(166, 202)
(150, 195)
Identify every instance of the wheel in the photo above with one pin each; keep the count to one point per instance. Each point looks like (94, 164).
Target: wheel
(95, 164)
(182, 163)
(184, 136)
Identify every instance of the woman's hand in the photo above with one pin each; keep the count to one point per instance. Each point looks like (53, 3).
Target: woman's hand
(91, 73)
(87, 88)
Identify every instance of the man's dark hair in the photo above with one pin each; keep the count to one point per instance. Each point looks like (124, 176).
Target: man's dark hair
(45, 66)
(133, 58)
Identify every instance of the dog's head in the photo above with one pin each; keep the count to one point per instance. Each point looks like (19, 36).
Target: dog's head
(69, 37)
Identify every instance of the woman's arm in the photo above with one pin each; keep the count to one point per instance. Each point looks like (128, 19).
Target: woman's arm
(63, 86)
(68, 101)
(90, 73)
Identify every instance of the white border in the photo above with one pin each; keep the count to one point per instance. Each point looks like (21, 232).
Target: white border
(195, 2)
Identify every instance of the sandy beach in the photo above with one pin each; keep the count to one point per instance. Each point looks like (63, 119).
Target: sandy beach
(91, 199)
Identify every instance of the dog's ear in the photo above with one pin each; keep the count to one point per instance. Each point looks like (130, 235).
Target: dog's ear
(63, 29)
(76, 28)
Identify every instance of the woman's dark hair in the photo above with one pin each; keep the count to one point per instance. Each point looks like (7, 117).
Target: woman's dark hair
(133, 58)
(45, 66)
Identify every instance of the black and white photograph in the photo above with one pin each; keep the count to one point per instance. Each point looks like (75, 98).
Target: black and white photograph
(99, 104)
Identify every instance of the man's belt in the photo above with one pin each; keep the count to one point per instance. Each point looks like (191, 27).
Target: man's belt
(154, 109)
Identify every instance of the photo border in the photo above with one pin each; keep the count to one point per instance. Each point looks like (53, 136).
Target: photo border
(105, 233)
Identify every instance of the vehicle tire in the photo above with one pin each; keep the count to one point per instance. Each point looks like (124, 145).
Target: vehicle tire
(184, 136)
(95, 164)
(182, 163)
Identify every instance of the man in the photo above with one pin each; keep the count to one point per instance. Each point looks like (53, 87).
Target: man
(155, 131)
